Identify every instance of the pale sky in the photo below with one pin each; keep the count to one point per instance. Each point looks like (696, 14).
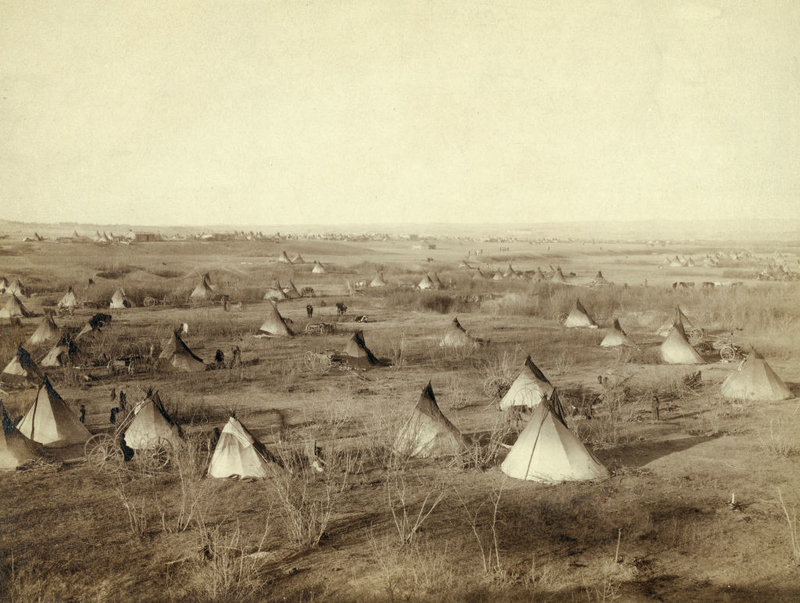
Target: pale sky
(325, 111)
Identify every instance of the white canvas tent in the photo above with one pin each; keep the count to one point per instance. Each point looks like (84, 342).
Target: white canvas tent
(151, 426)
(15, 448)
(68, 302)
(318, 268)
(14, 309)
(358, 354)
(615, 337)
(22, 367)
(579, 318)
(45, 333)
(456, 336)
(528, 389)
(118, 300)
(176, 355)
(754, 379)
(51, 422)
(678, 318)
(239, 454)
(676, 348)
(378, 281)
(274, 324)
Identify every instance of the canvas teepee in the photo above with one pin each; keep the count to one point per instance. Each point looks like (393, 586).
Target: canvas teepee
(201, 291)
(579, 317)
(291, 291)
(558, 276)
(528, 389)
(615, 337)
(51, 421)
(318, 268)
(118, 300)
(15, 287)
(428, 433)
(239, 454)
(426, 283)
(378, 281)
(151, 426)
(456, 336)
(678, 318)
(275, 293)
(14, 309)
(176, 355)
(676, 348)
(298, 259)
(547, 451)
(45, 333)
(68, 302)
(15, 448)
(95, 323)
(274, 324)
(283, 258)
(21, 368)
(754, 379)
(358, 354)
(61, 354)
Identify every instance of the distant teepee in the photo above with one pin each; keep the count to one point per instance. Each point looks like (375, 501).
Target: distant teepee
(176, 355)
(528, 389)
(46, 332)
(579, 317)
(615, 337)
(274, 324)
(357, 353)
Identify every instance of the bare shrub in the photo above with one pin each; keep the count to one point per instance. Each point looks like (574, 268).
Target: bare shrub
(791, 522)
(780, 440)
(488, 543)
(406, 521)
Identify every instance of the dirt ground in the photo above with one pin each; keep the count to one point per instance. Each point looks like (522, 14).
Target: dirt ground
(663, 527)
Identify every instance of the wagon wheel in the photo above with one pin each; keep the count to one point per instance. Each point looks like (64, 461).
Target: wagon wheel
(727, 353)
(696, 336)
(149, 302)
(155, 457)
(310, 360)
(103, 452)
(561, 318)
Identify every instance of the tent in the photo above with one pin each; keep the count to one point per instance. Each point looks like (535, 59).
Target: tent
(201, 291)
(68, 302)
(275, 293)
(679, 318)
(615, 337)
(754, 379)
(558, 277)
(51, 421)
(456, 336)
(61, 354)
(318, 268)
(22, 367)
(151, 426)
(547, 451)
(16, 287)
(46, 332)
(378, 281)
(95, 323)
(15, 448)
(497, 276)
(510, 272)
(298, 259)
(428, 433)
(291, 291)
(283, 258)
(239, 454)
(579, 317)
(118, 300)
(14, 309)
(357, 353)
(274, 324)
(676, 348)
(528, 389)
(176, 355)
(427, 283)
(599, 279)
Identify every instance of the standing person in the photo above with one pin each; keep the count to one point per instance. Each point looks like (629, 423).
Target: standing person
(655, 408)
(309, 310)
(83, 414)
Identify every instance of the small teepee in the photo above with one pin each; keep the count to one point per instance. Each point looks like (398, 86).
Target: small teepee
(547, 451)
(676, 348)
(579, 317)
(275, 293)
(47, 332)
(378, 281)
(61, 354)
(68, 302)
(118, 300)
(358, 354)
(528, 389)
(50, 421)
(428, 433)
(14, 309)
(239, 454)
(318, 268)
(558, 276)
(274, 324)
(151, 426)
(754, 379)
(291, 291)
(15, 287)
(283, 258)
(456, 336)
(427, 283)
(15, 448)
(615, 337)
(201, 291)
(678, 318)
(176, 355)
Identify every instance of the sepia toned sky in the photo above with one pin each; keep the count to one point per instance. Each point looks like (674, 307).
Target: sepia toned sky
(325, 111)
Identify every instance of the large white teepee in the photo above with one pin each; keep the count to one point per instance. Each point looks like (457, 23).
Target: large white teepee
(547, 451)
(68, 302)
(676, 348)
(14, 309)
(615, 337)
(357, 353)
(118, 300)
(579, 317)
(239, 454)
(46, 332)
(754, 379)
(274, 324)
(428, 433)
(528, 389)
(15, 448)
(51, 421)
(151, 426)
(176, 355)
(456, 336)
(678, 318)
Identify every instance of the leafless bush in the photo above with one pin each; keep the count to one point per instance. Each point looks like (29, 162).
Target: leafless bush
(406, 521)
(791, 521)
(488, 543)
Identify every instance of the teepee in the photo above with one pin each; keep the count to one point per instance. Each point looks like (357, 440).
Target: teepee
(599, 279)
(3, 284)
(754, 379)
(528, 389)
(176, 355)
(22, 367)
(428, 433)
(15, 448)
(68, 302)
(118, 300)
(14, 309)
(378, 281)
(678, 318)
(61, 354)
(275, 292)
(51, 421)
(95, 323)
(456, 336)
(318, 268)
(558, 276)
(283, 258)
(676, 348)
(579, 317)
(427, 283)
(46, 332)
(151, 426)
(510, 272)
(291, 291)
(357, 353)
(201, 291)
(298, 259)
(615, 337)
(274, 324)
(16, 287)
(239, 454)
(547, 451)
